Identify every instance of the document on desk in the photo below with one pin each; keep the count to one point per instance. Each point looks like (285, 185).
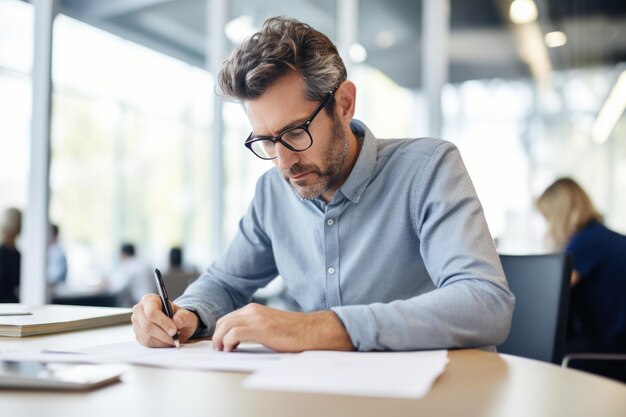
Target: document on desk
(199, 356)
(378, 374)
(19, 320)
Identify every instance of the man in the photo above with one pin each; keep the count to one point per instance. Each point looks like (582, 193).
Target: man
(57, 261)
(178, 276)
(132, 280)
(383, 244)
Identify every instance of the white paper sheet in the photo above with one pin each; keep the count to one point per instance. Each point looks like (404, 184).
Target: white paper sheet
(381, 374)
(199, 355)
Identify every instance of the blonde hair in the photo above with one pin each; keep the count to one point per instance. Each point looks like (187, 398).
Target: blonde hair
(11, 225)
(567, 209)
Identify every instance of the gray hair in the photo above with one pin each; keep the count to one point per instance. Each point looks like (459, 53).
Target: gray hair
(282, 45)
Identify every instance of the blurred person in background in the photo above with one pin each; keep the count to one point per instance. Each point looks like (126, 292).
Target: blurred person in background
(57, 261)
(597, 312)
(177, 263)
(10, 228)
(178, 276)
(132, 280)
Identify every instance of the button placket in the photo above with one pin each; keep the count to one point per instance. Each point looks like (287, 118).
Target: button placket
(331, 255)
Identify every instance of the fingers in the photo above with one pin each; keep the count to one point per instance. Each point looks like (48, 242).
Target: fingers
(280, 330)
(231, 334)
(224, 325)
(186, 322)
(235, 336)
(239, 326)
(152, 327)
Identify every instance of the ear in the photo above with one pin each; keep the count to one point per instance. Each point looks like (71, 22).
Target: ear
(345, 99)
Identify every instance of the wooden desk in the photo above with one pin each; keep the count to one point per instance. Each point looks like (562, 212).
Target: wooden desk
(475, 383)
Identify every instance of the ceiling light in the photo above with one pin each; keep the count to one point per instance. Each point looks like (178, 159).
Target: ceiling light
(357, 52)
(532, 50)
(611, 111)
(555, 39)
(523, 11)
(385, 39)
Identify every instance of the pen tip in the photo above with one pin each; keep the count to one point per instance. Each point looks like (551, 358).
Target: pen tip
(177, 344)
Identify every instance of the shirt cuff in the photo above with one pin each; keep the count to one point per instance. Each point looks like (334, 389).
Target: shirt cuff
(206, 320)
(361, 326)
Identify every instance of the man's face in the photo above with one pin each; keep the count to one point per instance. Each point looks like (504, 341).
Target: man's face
(318, 171)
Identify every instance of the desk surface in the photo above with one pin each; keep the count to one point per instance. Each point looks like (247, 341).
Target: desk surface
(475, 383)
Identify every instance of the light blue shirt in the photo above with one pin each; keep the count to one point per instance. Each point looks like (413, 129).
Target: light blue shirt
(402, 254)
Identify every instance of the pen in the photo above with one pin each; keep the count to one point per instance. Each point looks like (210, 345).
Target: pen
(165, 300)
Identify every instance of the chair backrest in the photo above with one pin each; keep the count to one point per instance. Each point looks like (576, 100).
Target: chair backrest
(176, 282)
(541, 287)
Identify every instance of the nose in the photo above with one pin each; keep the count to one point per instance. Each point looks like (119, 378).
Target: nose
(285, 158)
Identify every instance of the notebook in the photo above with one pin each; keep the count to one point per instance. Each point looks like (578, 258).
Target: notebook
(18, 320)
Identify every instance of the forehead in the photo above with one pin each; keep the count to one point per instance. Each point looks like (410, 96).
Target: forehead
(283, 104)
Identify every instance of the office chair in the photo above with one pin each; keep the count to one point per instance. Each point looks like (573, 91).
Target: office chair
(541, 287)
(177, 281)
(610, 365)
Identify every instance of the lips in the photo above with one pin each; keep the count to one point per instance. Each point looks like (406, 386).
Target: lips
(300, 176)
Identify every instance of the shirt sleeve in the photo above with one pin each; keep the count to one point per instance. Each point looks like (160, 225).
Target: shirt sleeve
(472, 305)
(585, 254)
(229, 283)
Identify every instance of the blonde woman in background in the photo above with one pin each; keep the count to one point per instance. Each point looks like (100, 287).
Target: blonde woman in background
(597, 312)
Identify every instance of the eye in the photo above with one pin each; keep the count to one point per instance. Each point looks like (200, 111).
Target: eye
(295, 135)
(267, 145)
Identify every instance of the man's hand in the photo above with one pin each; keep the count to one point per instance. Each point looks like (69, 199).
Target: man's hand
(281, 330)
(153, 328)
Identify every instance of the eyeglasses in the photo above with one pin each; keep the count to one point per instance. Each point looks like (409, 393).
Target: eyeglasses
(295, 138)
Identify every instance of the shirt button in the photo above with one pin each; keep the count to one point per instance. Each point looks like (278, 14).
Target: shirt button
(331, 270)
(330, 222)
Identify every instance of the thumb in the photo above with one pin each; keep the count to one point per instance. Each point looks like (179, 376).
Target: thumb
(186, 322)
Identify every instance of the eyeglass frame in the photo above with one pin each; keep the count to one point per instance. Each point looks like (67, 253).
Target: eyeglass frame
(279, 138)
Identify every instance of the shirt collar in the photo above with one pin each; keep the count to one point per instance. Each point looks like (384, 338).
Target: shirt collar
(362, 171)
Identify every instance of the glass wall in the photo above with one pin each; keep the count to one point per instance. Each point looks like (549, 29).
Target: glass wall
(129, 143)
(129, 146)
(131, 126)
(516, 131)
(16, 39)
(515, 142)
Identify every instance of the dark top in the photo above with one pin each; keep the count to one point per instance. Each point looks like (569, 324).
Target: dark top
(9, 274)
(598, 301)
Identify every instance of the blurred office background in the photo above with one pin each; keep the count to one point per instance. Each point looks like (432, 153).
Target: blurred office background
(531, 91)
